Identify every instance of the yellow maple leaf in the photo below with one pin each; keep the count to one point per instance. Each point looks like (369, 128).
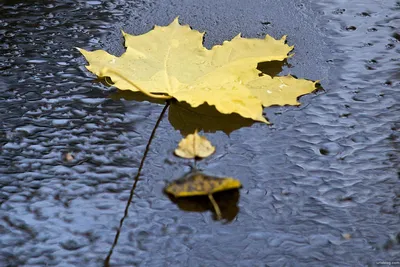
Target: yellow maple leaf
(171, 62)
(193, 146)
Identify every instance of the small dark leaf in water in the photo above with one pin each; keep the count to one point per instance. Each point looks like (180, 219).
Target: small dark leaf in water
(227, 202)
(196, 184)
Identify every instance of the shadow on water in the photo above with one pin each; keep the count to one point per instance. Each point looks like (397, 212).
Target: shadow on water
(187, 119)
(226, 200)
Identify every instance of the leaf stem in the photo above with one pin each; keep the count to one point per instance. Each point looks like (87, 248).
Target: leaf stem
(105, 70)
(136, 179)
(216, 207)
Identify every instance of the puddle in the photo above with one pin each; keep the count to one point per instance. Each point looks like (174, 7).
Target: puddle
(320, 186)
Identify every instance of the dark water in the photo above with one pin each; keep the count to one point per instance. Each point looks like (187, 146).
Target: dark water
(321, 186)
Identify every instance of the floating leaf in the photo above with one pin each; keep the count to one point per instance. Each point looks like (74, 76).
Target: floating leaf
(171, 62)
(193, 146)
(198, 184)
(227, 202)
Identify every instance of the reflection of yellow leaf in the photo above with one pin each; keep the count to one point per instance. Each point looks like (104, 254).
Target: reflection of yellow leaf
(193, 146)
(171, 62)
(186, 119)
(204, 118)
(198, 184)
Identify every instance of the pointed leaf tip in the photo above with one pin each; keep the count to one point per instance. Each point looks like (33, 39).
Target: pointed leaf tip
(176, 21)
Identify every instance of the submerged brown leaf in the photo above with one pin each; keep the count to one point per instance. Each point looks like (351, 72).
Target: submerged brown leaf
(227, 202)
(198, 184)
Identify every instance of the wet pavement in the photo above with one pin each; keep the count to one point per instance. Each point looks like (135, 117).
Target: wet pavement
(320, 186)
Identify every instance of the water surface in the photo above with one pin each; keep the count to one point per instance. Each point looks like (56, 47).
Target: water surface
(320, 186)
